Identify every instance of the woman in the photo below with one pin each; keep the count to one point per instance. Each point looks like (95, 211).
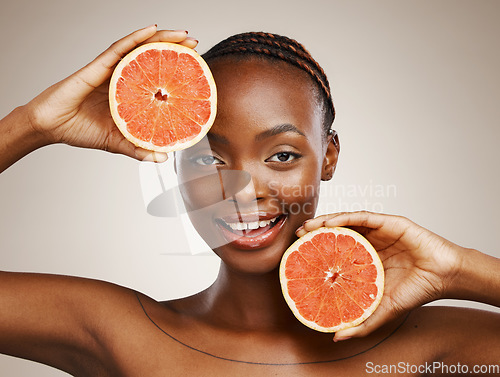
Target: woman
(273, 122)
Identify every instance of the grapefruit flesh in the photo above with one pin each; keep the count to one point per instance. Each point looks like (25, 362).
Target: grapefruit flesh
(332, 279)
(163, 97)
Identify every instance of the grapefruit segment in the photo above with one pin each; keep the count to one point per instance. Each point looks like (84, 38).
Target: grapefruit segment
(167, 67)
(198, 88)
(301, 288)
(332, 279)
(149, 63)
(186, 127)
(163, 97)
(190, 72)
(139, 122)
(328, 313)
(311, 254)
(194, 109)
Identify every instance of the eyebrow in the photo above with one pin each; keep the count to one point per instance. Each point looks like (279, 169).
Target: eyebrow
(217, 138)
(278, 129)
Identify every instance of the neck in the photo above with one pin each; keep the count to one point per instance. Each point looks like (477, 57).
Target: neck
(249, 302)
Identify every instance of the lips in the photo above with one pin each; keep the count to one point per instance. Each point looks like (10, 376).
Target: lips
(251, 231)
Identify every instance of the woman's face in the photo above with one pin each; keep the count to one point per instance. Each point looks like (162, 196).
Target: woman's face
(268, 128)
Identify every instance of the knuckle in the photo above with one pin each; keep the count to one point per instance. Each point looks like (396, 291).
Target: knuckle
(403, 220)
(113, 46)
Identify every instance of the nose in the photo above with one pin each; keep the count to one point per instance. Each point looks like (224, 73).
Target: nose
(256, 188)
(247, 194)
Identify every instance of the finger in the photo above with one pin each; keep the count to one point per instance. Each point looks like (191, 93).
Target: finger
(117, 143)
(178, 36)
(189, 42)
(145, 155)
(395, 227)
(358, 219)
(173, 36)
(309, 226)
(301, 232)
(100, 69)
(313, 224)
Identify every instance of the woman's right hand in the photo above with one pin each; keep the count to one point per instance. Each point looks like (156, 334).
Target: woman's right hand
(75, 111)
(420, 266)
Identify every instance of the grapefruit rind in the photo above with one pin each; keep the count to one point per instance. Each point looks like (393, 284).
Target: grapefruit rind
(122, 124)
(379, 282)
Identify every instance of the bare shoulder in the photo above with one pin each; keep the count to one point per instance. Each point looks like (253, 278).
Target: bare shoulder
(451, 317)
(458, 334)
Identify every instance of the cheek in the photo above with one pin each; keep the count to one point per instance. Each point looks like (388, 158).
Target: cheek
(199, 189)
(194, 197)
(297, 193)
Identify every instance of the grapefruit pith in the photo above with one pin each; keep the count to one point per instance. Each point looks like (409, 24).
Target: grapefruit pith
(163, 97)
(332, 279)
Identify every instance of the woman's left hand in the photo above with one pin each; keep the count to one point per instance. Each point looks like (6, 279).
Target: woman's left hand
(75, 111)
(419, 265)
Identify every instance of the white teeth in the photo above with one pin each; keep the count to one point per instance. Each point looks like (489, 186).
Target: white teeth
(264, 223)
(250, 225)
(237, 226)
(254, 225)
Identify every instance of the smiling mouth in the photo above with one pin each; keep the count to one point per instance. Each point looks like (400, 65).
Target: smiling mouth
(251, 234)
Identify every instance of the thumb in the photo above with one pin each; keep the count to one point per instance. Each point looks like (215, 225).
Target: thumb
(100, 69)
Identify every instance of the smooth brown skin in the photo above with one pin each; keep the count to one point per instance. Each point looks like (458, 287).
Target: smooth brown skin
(94, 328)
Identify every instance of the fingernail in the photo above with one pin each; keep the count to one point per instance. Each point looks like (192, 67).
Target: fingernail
(182, 31)
(150, 26)
(341, 339)
(163, 158)
(159, 157)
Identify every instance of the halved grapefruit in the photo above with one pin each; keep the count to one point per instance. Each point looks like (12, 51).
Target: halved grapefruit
(163, 97)
(332, 279)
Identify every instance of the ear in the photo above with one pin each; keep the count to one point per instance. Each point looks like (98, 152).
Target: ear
(331, 156)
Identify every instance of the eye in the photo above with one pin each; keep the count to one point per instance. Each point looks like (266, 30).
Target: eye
(283, 157)
(206, 160)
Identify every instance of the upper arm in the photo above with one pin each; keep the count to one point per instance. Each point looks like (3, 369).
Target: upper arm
(56, 320)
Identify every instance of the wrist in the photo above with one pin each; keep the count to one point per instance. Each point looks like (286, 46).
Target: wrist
(18, 138)
(33, 122)
(456, 274)
(476, 277)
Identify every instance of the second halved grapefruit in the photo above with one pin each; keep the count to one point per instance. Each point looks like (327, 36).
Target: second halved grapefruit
(332, 279)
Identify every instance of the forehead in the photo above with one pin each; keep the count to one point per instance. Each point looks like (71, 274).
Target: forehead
(263, 91)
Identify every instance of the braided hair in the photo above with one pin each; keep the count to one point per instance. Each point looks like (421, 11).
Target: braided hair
(273, 46)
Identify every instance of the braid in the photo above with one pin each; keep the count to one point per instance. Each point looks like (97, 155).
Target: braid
(279, 47)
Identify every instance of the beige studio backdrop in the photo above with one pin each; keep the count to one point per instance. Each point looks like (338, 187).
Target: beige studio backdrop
(416, 88)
